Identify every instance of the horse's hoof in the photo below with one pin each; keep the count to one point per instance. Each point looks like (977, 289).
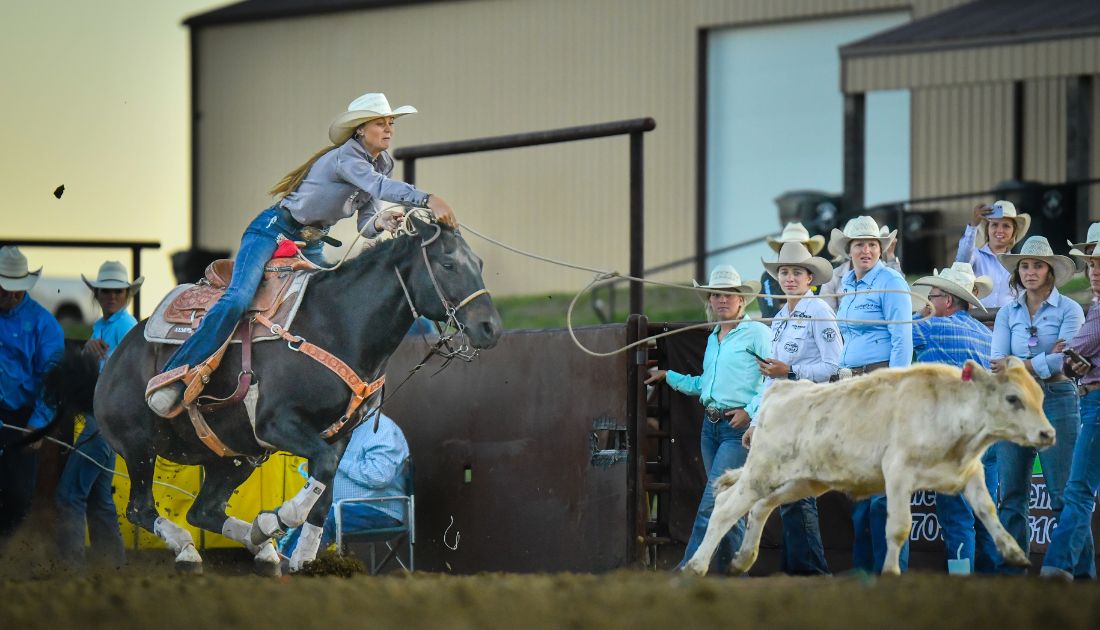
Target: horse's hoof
(267, 562)
(189, 561)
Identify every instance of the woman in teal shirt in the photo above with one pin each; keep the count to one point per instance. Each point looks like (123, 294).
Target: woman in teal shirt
(729, 382)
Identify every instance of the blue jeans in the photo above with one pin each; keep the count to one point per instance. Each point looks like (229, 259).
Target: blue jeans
(961, 528)
(1071, 545)
(357, 518)
(1015, 463)
(869, 544)
(803, 553)
(720, 445)
(84, 496)
(257, 246)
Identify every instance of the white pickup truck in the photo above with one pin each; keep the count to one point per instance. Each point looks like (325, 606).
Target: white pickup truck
(69, 299)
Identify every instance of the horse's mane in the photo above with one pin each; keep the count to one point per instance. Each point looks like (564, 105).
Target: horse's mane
(381, 251)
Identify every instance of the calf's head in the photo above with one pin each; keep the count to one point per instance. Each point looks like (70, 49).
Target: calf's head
(1013, 403)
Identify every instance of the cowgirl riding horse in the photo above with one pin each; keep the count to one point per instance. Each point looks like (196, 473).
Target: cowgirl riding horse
(349, 176)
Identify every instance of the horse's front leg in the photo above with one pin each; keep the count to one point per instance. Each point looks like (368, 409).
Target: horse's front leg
(293, 435)
(309, 540)
(220, 479)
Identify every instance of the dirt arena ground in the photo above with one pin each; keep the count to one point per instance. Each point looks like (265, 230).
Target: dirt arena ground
(152, 596)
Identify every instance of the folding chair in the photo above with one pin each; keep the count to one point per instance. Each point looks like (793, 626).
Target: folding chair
(391, 537)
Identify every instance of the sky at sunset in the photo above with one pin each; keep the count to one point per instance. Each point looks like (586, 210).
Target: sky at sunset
(96, 97)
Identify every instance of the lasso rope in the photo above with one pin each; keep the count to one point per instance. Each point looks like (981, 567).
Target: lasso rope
(605, 277)
(89, 458)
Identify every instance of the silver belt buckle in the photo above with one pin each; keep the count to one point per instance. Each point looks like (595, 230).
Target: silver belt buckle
(714, 414)
(844, 373)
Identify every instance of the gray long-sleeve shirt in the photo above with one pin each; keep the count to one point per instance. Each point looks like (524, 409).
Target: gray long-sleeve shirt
(346, 181)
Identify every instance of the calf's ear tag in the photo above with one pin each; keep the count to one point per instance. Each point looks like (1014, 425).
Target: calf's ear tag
(968, 373)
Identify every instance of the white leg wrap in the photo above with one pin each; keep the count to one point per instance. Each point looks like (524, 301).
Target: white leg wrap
(176, 537)
(306, 551)
(294, 512)
(238, 530)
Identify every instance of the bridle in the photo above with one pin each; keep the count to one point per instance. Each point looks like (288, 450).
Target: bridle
(451, 326)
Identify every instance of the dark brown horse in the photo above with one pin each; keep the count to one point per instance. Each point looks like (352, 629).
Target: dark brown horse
(360, 313)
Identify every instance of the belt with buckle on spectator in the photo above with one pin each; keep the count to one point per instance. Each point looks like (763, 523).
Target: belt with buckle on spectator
(714, 414)
(309, 233)
(1086, 388)
(857, 371)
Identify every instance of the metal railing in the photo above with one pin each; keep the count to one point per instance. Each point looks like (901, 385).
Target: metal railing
(135, 248)
(633, 127)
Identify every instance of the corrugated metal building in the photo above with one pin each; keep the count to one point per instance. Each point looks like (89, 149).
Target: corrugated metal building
(268, 76)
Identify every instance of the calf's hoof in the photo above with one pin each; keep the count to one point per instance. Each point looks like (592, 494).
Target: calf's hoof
(1016, 557)
(694, 567)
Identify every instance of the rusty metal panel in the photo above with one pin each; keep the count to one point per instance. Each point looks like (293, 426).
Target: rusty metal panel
(526, 448)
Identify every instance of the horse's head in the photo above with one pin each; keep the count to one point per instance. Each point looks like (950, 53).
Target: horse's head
(451, 285)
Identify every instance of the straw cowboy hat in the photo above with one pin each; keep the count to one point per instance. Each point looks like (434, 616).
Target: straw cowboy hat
(14, 274)
(859, 228)
(1091, 238)
(726, 278)
(1008, 211)
(796, 255)
(797, 233)
(1038, 248)
(113, 275)
(366, 107)
(959, 280)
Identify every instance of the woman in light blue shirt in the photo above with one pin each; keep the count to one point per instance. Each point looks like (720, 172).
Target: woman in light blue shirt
(84, 493)
(728, 384)
(1033, 327)
(877, 294)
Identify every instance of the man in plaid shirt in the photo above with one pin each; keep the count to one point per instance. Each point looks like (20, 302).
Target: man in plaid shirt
(952, 336)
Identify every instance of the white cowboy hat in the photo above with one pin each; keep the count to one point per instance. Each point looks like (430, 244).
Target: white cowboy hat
(113, 275)
(14, 274)
(1008, 211)
(859, 228)
(725, 277)
(795, 254)
(1091, 238)
(1038, 248)
(366, 107)
(797, 233)
(959, 280)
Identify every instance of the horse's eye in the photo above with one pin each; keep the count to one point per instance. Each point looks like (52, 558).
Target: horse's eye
(449, 266)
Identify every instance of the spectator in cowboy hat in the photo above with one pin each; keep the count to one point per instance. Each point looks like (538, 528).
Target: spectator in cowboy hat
(944, 332)
(728, 384)
(806, 345)
(84, 494)
(830, 289)
(31, 342)
(793, 232)
(1070, 550)
(873, 292)
(350, 176)
(1032, 327)
(993, 230)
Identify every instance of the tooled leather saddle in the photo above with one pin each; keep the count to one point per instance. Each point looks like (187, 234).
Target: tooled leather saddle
(277, 298)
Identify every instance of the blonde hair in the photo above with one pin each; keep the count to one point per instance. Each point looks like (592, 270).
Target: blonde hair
(290, 182)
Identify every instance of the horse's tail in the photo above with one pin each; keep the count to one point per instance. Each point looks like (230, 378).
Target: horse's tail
(69, 388)
(727, 480)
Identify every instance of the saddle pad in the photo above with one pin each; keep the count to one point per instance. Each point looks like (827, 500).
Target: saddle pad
(159, 330)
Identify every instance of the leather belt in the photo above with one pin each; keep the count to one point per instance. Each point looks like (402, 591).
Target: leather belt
(308, 233)
(1085, 388)
(714, 414)
(858, 371)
